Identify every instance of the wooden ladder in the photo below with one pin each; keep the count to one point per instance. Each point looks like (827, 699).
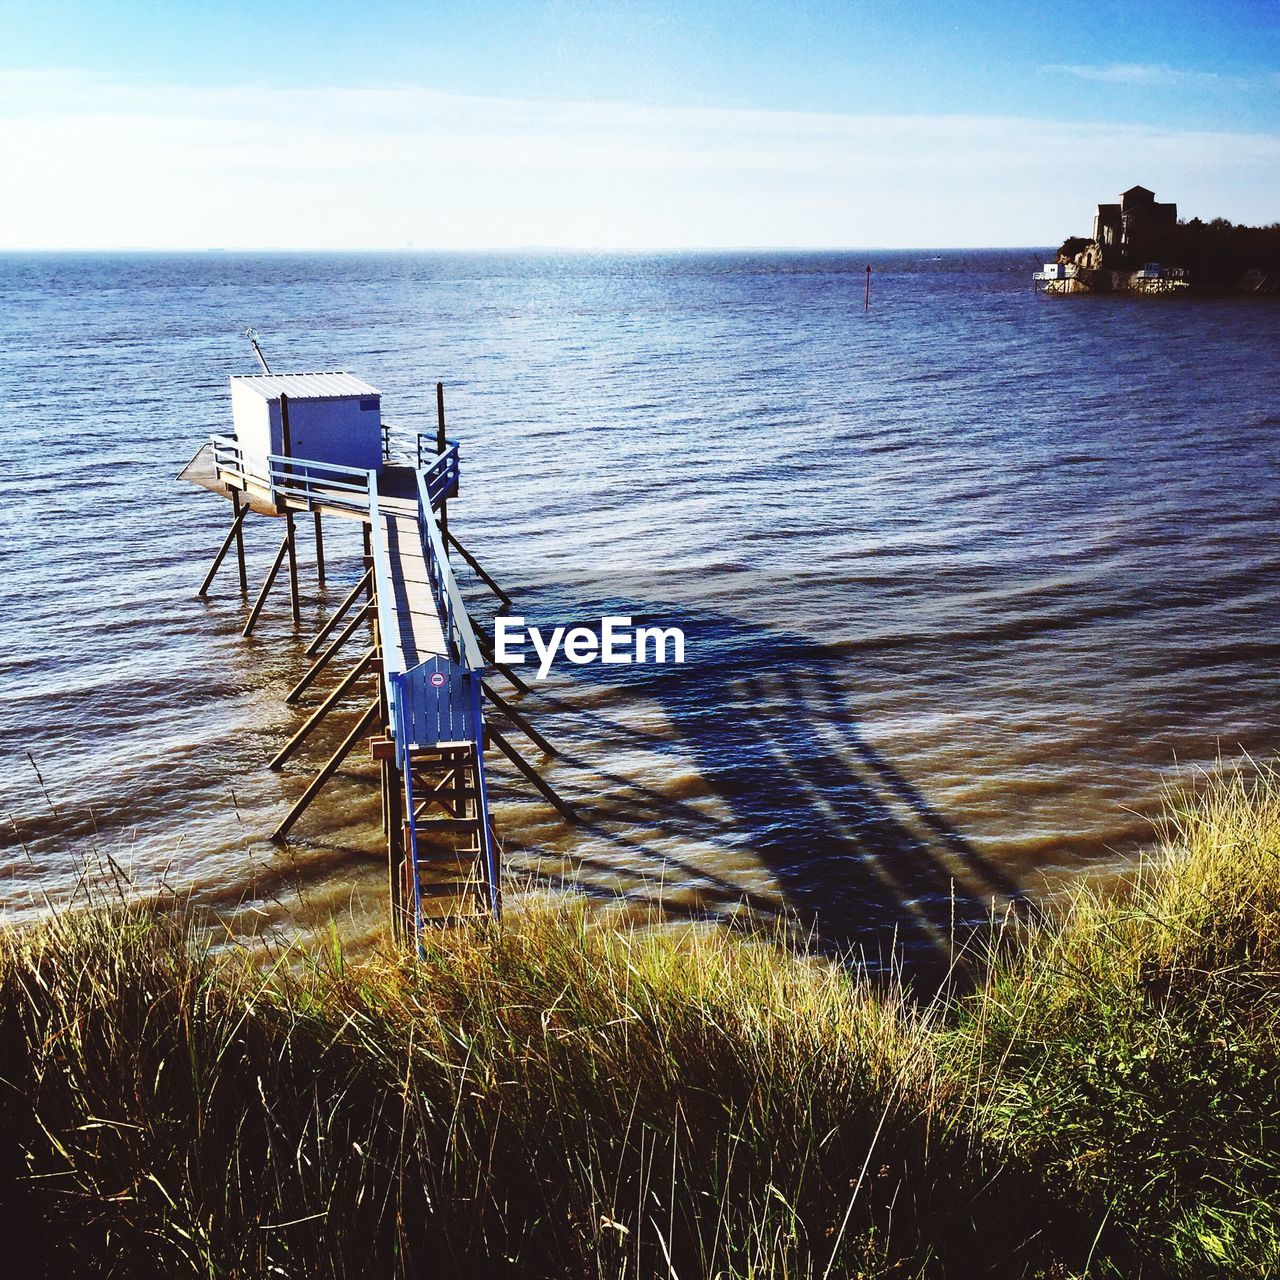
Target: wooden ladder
(448, 848)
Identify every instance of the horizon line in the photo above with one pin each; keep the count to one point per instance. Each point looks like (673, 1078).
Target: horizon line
(514, 249)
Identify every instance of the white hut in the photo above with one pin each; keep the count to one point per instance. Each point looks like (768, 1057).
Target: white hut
(333, 417)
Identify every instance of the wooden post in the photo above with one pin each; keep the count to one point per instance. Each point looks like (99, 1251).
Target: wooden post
(371, 608)
(291, 537)
(384, 719)
(393, 784)
(487, 649)
(236, 521)
(519, 721)
(235, 507)
(866, 303)
(338, 614)
(266, 586)
(286, 436)
(319, 549)
(286, 448)
(323, 660)
(441, 446)
(330, 768)
(477, 566)
(321, 711)
(382, 777)
(540, 783)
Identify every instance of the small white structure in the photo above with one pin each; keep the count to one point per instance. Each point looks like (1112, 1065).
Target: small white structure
(333, 417)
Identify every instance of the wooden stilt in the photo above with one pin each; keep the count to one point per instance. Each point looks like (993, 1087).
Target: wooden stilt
(382, 775)
(292, 535)
(394, 795)
(237, 520)
(384, 719)
(487, 649)
(338, 614)
(366, 718)
(319, 549)
(266, 586)
(478, 568)
(519, 721)
(539, 783)
(321, 711)
(323, 660)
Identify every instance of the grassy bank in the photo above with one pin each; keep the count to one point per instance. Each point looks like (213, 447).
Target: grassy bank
(567, 1100)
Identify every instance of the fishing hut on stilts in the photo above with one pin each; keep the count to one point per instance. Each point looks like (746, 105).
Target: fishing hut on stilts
(315, 444)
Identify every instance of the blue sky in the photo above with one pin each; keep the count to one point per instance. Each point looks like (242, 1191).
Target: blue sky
(606, 124)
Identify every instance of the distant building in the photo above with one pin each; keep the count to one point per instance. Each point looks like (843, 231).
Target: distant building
(1122, 226)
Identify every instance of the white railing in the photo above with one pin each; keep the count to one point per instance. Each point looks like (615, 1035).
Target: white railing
(314, 484)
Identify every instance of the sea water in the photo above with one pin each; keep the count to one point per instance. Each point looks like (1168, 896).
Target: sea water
(966, 578)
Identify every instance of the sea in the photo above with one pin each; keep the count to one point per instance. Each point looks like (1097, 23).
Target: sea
(969, 577)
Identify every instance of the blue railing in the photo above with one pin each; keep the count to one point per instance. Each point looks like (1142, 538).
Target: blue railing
(440, 476)
(464, 648)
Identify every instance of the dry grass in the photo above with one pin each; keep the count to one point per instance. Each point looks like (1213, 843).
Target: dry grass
(562, 1099)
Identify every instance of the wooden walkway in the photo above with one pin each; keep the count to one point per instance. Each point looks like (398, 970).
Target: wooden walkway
(416, 613)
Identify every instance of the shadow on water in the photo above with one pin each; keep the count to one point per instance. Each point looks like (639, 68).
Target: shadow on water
(771, 723)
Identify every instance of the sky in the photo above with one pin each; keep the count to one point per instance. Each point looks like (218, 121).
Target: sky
(655, 124)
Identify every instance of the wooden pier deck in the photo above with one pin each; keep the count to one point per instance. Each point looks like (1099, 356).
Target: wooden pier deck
(417, 616)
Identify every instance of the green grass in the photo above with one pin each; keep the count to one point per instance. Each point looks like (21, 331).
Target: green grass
(567, 1099)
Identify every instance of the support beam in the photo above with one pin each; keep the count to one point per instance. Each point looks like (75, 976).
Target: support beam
(237, 519)
(394, 802)
(366, 718)
(319, 549)
(266, 586)
(322, 710)
(479, 569)
(487, 649)
(519, 721)
(539, 783)
(323, 660)
(238, 515)
(292, 534)
(382, 783)
(338, 613)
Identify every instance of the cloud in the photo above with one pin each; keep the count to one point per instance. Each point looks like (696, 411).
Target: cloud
(1160, 75)
(102, 162)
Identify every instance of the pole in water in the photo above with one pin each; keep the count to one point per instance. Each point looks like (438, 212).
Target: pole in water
(235, 510)
(319, 549)
(866, 302)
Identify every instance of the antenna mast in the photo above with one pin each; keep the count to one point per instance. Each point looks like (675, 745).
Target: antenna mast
(252, 335)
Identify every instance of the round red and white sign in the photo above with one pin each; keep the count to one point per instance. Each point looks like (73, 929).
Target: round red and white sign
(437, 679)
